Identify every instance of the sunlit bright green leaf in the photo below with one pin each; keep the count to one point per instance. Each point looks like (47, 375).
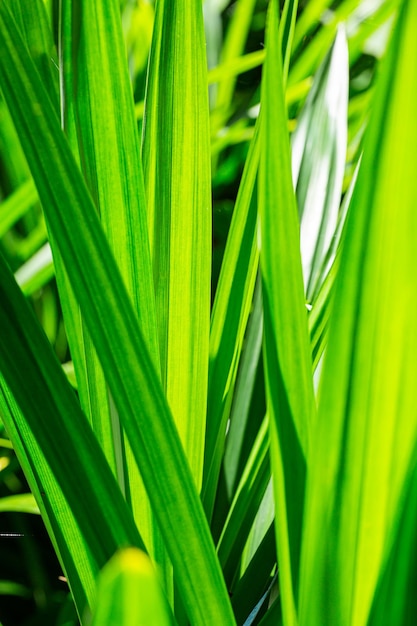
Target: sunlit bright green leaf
(367, 426)
(22, 502)
(99, 120)
(120, 344)
(394, 600)
(176, 156)
(287, 359)
(129, 593)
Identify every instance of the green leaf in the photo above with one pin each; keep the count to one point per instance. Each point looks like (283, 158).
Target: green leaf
(235, 66)
(32, 21)
(100, 123)
(129, 593)
(99, 120)
(394, 600)
(287, 356)
(95, 503)
(273, 617)
(245, 504)
(362, 20)
(176, 157)
(233, 46)
(236, 285)
(16, 205)
(248, 407)
(76, 559)
(230, 314)
(312, 54)
(257, 575)
(286, 34)
(364, 445)
(129, 369)
(22, 503)
(372, 35)
(10, 588)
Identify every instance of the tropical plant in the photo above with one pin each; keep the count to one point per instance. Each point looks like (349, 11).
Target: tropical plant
(233, 439)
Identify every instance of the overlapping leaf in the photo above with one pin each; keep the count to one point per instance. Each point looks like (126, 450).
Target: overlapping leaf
(120, 345)
(287, 359)
(367, 427)
(99, 121)
(176, 158)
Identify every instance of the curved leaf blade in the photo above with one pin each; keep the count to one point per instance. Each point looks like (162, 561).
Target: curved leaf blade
(99, 121)
(120, 345)
(287, 353)
(43, 393)
(367, 425)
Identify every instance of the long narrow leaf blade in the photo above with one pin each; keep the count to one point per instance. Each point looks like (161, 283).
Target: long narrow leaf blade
(287, 357)
(367, 428)
(229, 319)
(394, 600)
(176, 154)
(98, 118)
(236, 285)
(77, 560)
(130, 372)
(69, 447)
(245, 504)
(286, 33)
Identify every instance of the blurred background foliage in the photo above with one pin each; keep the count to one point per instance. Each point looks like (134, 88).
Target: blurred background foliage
(32, 590)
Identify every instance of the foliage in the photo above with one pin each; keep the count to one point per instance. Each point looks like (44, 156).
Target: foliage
(207, 351)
